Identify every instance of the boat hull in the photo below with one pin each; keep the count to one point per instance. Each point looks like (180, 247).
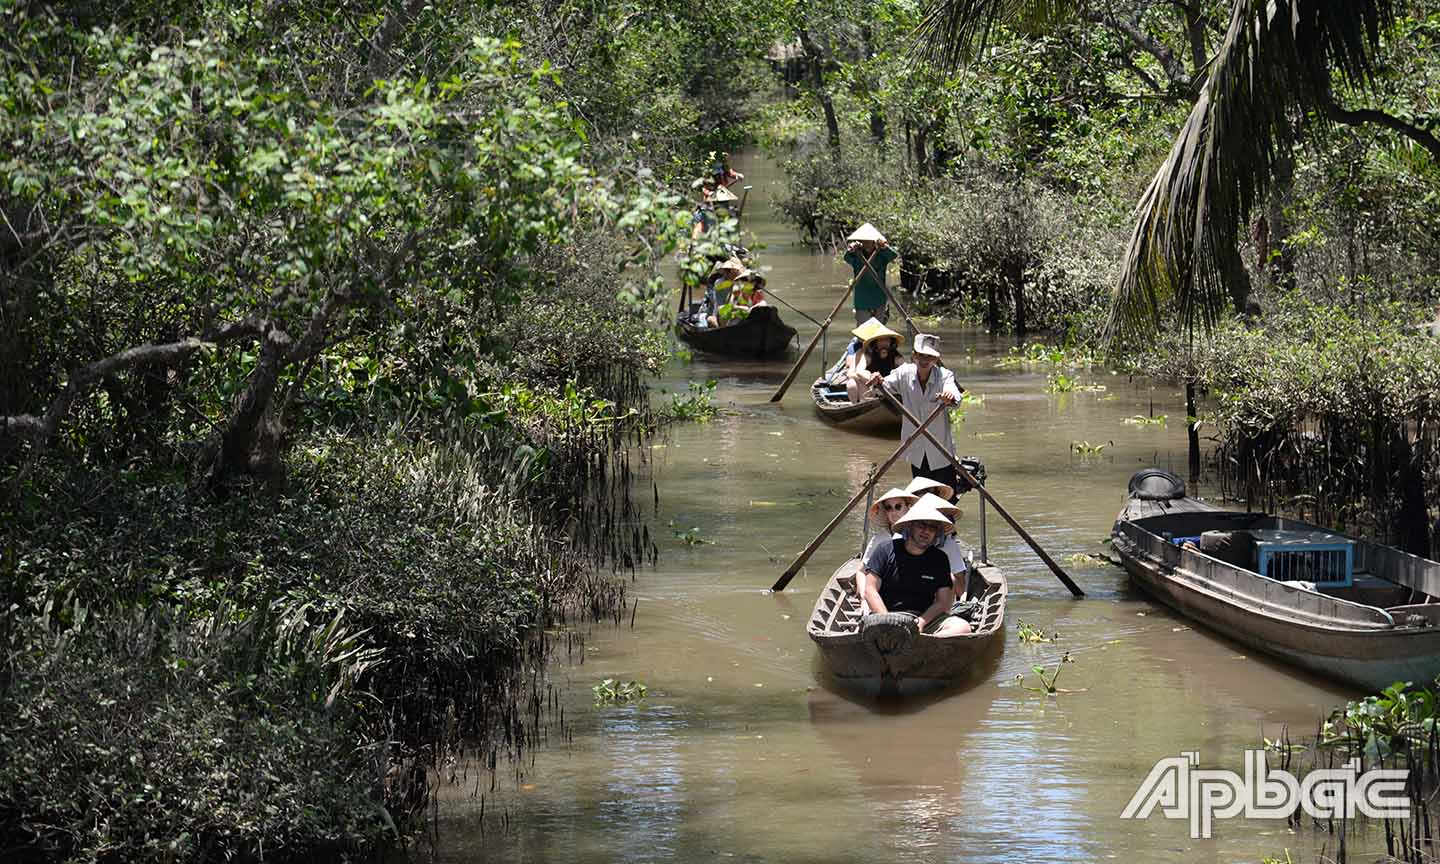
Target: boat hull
(760, 334)
(875, 416)
(1363, 646)
(924, 664)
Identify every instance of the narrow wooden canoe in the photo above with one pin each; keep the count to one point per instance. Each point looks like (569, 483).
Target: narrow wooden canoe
(759, 334)
(887, 661)
(1381, 628)
(869, 415)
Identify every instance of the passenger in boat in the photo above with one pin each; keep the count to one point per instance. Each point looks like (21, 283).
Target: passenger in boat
(880, 355)
(748, 292)
(718, 286)
(886, 510)
(913, 575)
(840, 376)
(919, 385)
(938, 496)
(866, 243)
(751, 286)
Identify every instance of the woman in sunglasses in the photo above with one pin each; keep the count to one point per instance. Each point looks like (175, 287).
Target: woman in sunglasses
(886, 510)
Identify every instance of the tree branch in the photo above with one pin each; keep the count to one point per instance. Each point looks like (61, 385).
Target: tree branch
(1174, 68)
(1359, 116)
(41, 429)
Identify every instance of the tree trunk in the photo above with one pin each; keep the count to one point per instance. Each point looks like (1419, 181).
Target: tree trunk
(1237, 278)
(1195, 29)
(1280, 261)
(1192, 434)
(236, 451)
(1413, 519)
(817, 77)
(1015, 273)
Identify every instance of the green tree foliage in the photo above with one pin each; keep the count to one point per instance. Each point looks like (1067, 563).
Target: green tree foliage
(397, 260)
(206, 218)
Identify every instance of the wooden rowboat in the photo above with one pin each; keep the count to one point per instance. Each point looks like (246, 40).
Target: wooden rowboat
(1343, 608)
(874, 415)
(759, 334)
(891, 659)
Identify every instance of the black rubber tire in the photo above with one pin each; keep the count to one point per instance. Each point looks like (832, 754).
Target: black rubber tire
(1156, 484)
(890, 632)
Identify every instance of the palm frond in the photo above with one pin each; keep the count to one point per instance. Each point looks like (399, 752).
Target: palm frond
(1270, 79)
(953, 32)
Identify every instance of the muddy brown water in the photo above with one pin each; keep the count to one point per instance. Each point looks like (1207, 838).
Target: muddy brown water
(741, 752)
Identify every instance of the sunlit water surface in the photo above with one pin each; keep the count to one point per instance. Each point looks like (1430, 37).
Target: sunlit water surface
(740, 752)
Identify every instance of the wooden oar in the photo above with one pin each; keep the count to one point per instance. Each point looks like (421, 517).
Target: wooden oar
(845, 511)
(805, 355)
(984, 493)
(905, 314)
(772, 295)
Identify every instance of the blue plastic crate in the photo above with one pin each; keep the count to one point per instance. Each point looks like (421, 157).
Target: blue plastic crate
(1327, 560)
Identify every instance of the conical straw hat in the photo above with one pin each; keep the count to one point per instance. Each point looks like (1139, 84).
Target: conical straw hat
(866, 232)
(723, 195)
(729, 264)
(923, 512)
(873, 329)
(921, 485)
(891, 495)
(951, 510)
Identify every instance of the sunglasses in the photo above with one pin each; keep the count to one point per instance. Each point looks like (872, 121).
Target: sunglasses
(901, 506)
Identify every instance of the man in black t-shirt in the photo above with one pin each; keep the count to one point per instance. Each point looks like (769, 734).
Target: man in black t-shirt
(911, 575)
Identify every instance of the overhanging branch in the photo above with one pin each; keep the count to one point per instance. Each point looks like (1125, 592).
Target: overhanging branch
(42, 428)
(1360, 116)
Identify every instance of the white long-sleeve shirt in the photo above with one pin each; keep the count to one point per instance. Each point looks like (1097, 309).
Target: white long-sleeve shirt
(904, 382)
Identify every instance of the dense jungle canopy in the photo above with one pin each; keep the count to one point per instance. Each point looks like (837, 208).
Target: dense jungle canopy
(304, 304)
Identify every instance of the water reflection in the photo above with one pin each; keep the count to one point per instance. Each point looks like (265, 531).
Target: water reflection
(642, 811)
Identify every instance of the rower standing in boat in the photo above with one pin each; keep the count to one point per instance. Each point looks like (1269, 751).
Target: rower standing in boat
(868, 244)
(919, 385)
(913, 575)
(721, 172)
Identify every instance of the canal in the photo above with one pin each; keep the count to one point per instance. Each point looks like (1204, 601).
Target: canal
(741, 753)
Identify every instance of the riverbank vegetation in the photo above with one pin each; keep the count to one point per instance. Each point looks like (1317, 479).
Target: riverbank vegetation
(1281, 226)
(323, 339)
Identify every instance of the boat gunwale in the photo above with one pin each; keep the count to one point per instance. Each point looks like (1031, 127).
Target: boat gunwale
(1376, 620)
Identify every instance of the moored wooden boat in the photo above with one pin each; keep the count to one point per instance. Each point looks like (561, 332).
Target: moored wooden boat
(759, 334)
(896, 660)
(1344, 608)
